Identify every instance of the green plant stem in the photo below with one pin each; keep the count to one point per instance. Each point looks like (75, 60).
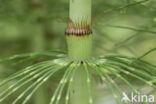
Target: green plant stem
(41, 96)
(38, 44)
(38, 40)
(79, 88)
(80, 10)
(79, 47)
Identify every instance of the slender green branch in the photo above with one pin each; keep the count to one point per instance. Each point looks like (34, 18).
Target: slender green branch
(134, 29)
(148, 52)
(125, 6)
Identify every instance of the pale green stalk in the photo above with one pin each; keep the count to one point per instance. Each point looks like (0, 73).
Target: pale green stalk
(80, 49)
(80, 10)
(79, 88)
(38, 44)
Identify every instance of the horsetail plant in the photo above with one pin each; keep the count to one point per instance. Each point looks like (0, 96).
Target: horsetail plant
(78, 66)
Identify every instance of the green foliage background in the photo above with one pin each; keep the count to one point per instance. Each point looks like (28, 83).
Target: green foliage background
(126, 27)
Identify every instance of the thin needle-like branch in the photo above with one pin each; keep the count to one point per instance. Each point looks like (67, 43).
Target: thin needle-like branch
(89, 83)
(106, 82)
(109, 67)
(32, 76)
(43, 81)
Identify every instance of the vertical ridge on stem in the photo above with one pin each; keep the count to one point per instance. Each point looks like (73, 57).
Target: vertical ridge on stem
(79, 42)
(79, 32)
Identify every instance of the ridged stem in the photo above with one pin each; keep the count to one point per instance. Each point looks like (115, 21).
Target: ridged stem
(79, 47)
(78, 32)
(38, 44)
(79, 42)
(80, 10)
(79, 88)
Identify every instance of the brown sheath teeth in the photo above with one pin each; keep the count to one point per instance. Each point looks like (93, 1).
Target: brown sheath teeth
(78, 29)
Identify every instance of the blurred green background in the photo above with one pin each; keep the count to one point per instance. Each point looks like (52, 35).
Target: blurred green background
(123, 27)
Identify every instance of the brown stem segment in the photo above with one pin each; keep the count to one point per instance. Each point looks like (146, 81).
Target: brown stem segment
(78, 29)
